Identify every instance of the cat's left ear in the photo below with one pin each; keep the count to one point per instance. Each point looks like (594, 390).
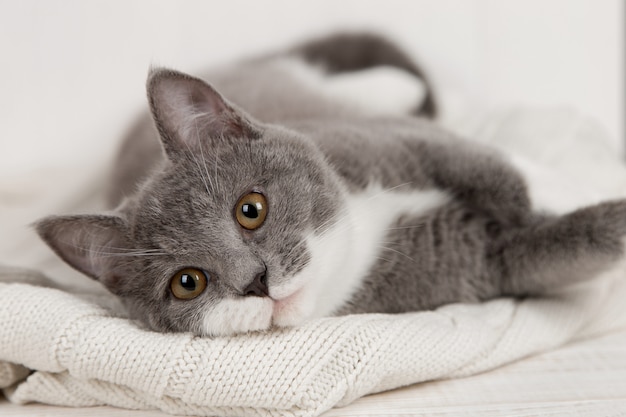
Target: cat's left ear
(188, 111)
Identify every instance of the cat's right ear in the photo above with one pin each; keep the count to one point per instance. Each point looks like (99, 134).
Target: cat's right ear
(92, 244)
(188, 112)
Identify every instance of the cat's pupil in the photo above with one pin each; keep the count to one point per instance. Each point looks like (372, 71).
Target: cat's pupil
(250, 211)
(187, 282)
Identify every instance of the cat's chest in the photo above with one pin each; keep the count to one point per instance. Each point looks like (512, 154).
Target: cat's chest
(343, 255)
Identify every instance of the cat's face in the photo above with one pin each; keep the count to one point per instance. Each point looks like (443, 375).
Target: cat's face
(216, 240)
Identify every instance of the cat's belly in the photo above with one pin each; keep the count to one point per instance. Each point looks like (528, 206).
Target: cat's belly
(343, 254)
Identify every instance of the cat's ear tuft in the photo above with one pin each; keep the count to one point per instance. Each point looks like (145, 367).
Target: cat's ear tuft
(92, 244)
(188, 111)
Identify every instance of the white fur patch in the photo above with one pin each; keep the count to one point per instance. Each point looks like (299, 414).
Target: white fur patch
(383, 90)
(342, 256)
(237, 316)
(380, 91)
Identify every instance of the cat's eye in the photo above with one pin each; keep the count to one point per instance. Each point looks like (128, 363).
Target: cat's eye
(251, 210)
(188, 283)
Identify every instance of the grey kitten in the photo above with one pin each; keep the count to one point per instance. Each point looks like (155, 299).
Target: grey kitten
(282, 203)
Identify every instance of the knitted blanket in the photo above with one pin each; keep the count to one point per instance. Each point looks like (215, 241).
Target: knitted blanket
(83, 354)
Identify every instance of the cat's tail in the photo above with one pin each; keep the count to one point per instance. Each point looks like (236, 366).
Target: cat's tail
(560, 250)
(347, 52)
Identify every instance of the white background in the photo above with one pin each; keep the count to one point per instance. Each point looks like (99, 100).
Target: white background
(73, 72)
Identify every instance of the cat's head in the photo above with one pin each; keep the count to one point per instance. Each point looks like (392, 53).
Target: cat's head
(217, 240)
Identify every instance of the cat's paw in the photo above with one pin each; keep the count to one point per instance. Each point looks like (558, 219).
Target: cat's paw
(234, 316)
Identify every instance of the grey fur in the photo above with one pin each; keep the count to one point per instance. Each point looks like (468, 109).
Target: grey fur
(175, 209)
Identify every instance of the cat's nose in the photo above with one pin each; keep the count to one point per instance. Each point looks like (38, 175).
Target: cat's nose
(258, 286)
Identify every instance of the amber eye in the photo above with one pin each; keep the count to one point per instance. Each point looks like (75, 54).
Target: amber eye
(251, 210)
(188, 283)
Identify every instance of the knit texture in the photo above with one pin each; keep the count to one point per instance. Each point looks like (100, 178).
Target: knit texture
(83, 355)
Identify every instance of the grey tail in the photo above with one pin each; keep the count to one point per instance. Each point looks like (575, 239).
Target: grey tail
(557, 251)
(344, 52)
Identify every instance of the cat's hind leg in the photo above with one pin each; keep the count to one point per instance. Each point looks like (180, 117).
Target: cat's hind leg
(554, 252)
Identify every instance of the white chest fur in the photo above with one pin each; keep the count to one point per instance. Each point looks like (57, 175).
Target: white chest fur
(343, 253)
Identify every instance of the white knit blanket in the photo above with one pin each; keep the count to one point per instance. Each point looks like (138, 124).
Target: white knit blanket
(84, 355)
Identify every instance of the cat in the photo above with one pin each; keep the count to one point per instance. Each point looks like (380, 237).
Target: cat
(270, 202)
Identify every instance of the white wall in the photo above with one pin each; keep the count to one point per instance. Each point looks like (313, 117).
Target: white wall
(73, 72)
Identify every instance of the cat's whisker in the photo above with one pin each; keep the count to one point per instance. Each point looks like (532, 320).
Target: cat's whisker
(206, 170)
(118, 252)
(344, 213)
(215, 169)
(391, 229)
(125, 250)
(190, 152)
(329, 231)
(131, 250)
(122, 255)
(384, 259)
(387, 190)
(323, 235)
(328, 223)
(417, 226)
(208, 177)
(122, 251)
(130, 262)
(91, 250)
(398, 252)
(204, 180)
